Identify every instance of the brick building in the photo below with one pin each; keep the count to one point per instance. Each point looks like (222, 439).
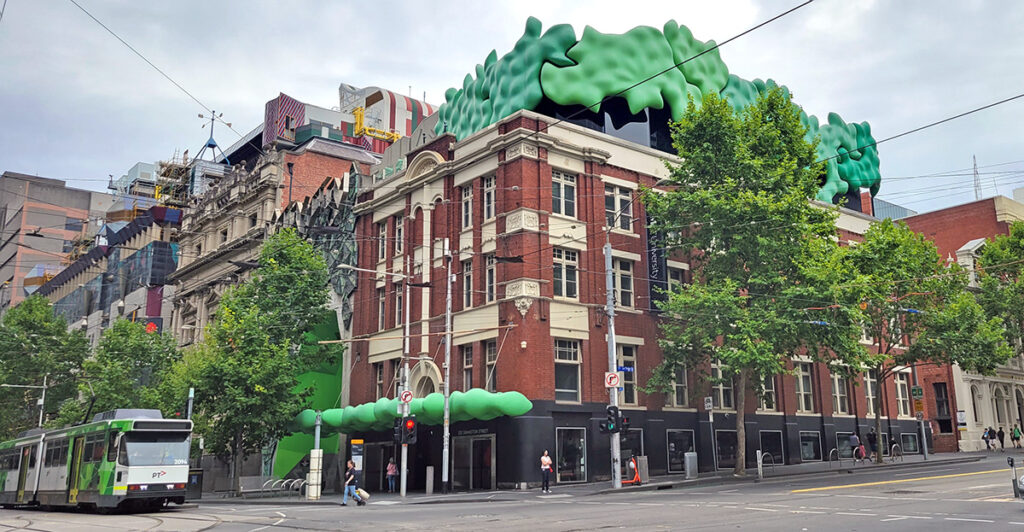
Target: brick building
(524, 206)
(959, 405)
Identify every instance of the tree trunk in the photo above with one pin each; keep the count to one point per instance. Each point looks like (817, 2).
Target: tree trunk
(236, 464)
(878, 416)
(741, 432)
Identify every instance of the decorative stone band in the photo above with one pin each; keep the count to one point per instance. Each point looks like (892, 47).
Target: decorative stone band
(523, 292)
(522, 220)
(381, 414)
(520, 150)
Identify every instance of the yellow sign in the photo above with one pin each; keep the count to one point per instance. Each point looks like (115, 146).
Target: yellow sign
(356, 442)
(918, 405)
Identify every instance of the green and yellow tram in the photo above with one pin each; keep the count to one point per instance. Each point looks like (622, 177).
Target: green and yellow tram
(124, 458)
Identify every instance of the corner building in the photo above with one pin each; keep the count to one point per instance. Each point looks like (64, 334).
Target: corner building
(525, 205)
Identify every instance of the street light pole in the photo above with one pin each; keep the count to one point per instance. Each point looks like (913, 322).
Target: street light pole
(613, 393)
(446, 431)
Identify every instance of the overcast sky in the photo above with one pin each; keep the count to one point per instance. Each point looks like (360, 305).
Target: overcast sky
(77, 105)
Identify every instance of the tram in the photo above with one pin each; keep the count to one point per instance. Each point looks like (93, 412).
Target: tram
(128, 458)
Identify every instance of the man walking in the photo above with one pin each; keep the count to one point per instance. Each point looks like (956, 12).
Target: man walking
(873, 443)
(350, 486)
(987, 438)
(1001, 436)
(1015, 436)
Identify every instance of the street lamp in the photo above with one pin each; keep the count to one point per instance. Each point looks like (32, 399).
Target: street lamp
(42, 400)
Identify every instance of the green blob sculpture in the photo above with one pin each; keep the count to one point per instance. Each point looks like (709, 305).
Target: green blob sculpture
(585, 72)
(476, 403)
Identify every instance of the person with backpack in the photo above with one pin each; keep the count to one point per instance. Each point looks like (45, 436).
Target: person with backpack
(987, 438)
(350, 486)
(392, 472)
(1015, 436)
(873, 443)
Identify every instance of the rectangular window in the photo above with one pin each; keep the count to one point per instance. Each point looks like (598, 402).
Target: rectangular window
(570, 455)
(567, 370)
(467, 283)
(398, 235)
(623, 282)
(382, 238)
(489, 197)
(676, 277)
(466, 355)
(618, 207)
(903, 393)
(254, 220)
(565, 266)
(74, 224)
(223, 236)
(908, 443)
(680, 442)
(563, 194)
(942, 415)
(491, 358)
(378, 373)
(627, 361)
(467, 206)
(771, 443)
(865, 334)
(681, 395)
(381, 309)
(721, 388)
(871, 389)
(804, 388)
(399, 305)
(896, 331)
(810, 446)
(840, 401)
(768, 394)
(490, 277)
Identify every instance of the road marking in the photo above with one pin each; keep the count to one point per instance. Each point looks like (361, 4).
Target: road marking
(969, 520)
(760, 509)
(883, 482)
(280, 513)
(559, 496)
(927, 471)
(856, 514)
(902, 517)
(805, 512)
(985, 487)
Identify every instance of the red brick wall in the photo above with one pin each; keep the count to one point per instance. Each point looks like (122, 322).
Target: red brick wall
(953, 227)
(310, 170)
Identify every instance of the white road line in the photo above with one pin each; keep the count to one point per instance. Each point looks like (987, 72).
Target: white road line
(1015, 523)
(985, 487)
(805, 512)
(760, 509)
(647, 503)
(728, 491)
(858, 514)
(279, 513)
(902, 517)
(969, 520)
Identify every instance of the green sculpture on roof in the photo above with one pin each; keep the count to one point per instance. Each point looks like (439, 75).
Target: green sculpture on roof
(381, 414)
(554, 65)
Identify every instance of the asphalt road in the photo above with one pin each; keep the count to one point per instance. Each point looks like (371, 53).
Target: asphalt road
(977, 495)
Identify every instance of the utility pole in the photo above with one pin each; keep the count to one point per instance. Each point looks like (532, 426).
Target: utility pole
(405, 370)
(613, 393)
(446, 437)
(924, 435)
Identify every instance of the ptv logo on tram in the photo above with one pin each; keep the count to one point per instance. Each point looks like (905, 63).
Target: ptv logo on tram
(158, 474)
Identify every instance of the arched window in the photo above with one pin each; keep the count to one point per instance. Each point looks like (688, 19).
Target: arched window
(974, 404)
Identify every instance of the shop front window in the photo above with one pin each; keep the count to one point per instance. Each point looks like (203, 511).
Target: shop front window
(570, 455)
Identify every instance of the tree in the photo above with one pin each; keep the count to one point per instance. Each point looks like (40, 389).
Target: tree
(35, 342)
(245, 371)
(740, 207)
(126, 372)
(916, 311)
(1001, 278)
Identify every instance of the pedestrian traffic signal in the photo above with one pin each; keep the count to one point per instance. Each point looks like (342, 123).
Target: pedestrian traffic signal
(611, 423)
(409, 426)
(623, 423)
(398, 430)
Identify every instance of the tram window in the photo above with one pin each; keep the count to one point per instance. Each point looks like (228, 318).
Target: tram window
(48, 460)
(32, 456)
(87, 452)
(112, 442)
(97, 450)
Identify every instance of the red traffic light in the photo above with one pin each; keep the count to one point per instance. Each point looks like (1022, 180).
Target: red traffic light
(410, 424)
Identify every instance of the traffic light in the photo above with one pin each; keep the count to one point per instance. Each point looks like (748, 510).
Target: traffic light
(623, 423)
(398, 430)
(409, 430)
(611, 422)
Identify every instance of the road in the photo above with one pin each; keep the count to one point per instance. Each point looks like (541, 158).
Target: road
(973, 494)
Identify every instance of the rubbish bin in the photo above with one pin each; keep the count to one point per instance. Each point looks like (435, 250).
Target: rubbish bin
(194, 487)
(645, 472)
(690, 464)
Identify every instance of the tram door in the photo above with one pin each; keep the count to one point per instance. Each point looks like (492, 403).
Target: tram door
(26, 454)
(76, 469)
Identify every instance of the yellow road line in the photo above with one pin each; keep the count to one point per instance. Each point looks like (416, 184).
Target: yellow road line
(805, 490)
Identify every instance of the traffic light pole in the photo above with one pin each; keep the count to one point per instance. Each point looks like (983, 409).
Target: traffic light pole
(405, 371)
(446, 432)
(613, 393)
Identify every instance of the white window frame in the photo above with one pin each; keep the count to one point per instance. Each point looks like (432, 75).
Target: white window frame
(489, 203)
(769, 401)
(721, 389)
(902, 382)
(679, 280)
(466, 358)
(378, 373)
(563, 193)
(870, 390)
(491, 366)
(382, 238)
(490, 277)
(621, 214)
(467, 206)
(677, 387)
(382, 302)
(625, 355)
(467, 283)
(804, 397)
(623, 278)
(566, 264)
(398, 234)
(399, 304)
(573, 347)
(840, 394)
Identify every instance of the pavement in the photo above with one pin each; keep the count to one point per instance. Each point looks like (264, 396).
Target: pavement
(919, 496)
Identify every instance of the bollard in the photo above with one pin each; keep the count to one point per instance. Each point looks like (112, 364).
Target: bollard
(760, 466)
(430, 480)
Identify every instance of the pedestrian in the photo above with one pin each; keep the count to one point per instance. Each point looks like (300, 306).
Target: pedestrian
(545, 472)
(350, 486)
(392, 474)
(1016, 436)
(873, 443)
(855, 446)
(987, 438)
(1001, 436)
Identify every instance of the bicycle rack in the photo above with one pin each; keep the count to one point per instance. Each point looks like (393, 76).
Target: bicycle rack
(838, 457)
(298, 488)
(768, 455)
(264, 486)
(892, 452)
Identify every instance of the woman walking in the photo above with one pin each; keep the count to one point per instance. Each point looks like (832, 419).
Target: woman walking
(350, 486)
(545, 472)
(392, 474)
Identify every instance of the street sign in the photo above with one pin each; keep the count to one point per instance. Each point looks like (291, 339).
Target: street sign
(406, 397)
(625, 369)
(917, 392)
(611, 380)
(919, 405)
(919, 416)
(708, 403)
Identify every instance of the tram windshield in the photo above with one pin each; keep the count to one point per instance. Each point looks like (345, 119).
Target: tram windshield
(153, 449)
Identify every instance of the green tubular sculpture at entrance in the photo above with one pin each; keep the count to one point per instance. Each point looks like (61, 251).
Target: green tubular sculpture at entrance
(585, 72)
(381, 414)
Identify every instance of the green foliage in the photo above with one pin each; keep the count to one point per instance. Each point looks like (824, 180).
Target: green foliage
(126, 372)
(741, 209)
(1001, 265)
(34, 343)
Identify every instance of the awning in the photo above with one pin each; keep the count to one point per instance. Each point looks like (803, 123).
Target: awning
(380, 415)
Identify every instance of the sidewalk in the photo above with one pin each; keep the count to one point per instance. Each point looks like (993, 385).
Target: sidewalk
(656, 483)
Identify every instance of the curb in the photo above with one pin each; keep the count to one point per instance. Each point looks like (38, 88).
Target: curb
(265, 501)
